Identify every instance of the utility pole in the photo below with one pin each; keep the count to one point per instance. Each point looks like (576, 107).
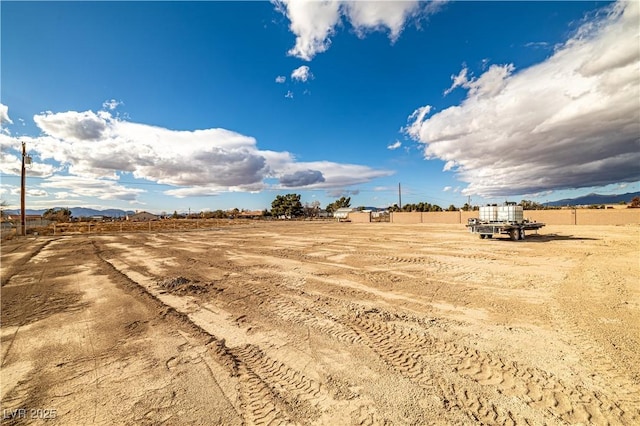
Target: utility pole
(23, 181)
(399, 197)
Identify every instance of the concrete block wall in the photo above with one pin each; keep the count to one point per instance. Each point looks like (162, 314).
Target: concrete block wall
(360, 217)
(406, 217)
(549, 217)
(552, 217)
(607, 217)
(441, 217)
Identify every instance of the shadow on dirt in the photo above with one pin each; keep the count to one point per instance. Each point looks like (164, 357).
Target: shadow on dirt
(543, 238)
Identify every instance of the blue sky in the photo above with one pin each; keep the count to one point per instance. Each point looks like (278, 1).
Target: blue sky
(166, 106)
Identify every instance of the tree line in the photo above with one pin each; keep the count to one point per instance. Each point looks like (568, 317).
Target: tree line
(290, 206)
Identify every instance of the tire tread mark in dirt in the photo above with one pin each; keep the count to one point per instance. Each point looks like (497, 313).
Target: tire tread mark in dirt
(260, 403)
(573, 326)
(7, 275)
(28, 295)
(290, 311)
(400, 348)
(272, 391)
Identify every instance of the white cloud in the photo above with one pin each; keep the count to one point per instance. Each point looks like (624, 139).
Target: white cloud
(95, 149)
(338, 193)
(380, 16)
(4, 115)
(72, 125)
(302, 73)
(395, 145)
(336, 175)
(61, 195)
(11, 164)
(571, 121)
(89, 187)
(489, 83)
(446, 189)
(34, 192)
(315, 22)
(312, 22)
(111, 104)
(289, 94)
(281, 79)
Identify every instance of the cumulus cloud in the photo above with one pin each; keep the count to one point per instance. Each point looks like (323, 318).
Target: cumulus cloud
(395, 145)
(315, 22)
(570, 121)
(86, 153)
(281, 79)
(312, 22)
(380, 16)
(489, 83)
(11, 164)
(302, 178)
(302, 73)
(4, 115)
(72, 125)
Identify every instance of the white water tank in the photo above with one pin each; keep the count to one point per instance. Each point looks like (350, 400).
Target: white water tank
(510, 213)
(489, 213)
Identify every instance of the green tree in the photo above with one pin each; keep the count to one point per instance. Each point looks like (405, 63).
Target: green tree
(340, 203)
(452, 208)
(57, 215)
(287, 205)
(531, 205)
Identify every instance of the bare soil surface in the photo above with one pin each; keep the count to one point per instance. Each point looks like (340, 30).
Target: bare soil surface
(322, 324)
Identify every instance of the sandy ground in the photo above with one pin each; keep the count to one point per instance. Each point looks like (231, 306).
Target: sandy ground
(325, 324)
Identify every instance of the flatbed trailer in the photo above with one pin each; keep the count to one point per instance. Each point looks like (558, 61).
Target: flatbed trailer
(515, 230)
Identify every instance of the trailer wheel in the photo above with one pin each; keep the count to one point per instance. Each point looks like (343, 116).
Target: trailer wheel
(514, 234)
(522, 234)
(482, 236)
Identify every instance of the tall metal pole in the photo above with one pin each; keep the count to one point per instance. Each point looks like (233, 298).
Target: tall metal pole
(23, 216)
(399, 196)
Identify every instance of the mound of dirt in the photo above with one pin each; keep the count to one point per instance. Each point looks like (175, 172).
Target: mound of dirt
(182, 285)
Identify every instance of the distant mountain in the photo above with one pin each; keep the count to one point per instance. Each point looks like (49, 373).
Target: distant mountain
(78, 212)
(596, 199)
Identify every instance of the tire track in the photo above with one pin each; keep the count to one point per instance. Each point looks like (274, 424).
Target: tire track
(270, 392)
(300, 313)
(16, 266)
(413, 352)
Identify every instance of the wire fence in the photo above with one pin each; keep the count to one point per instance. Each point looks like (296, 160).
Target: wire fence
(43, 227)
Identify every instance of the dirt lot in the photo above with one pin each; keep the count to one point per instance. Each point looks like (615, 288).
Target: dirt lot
(323, 323)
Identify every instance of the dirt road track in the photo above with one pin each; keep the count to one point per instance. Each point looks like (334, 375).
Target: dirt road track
(307, 323)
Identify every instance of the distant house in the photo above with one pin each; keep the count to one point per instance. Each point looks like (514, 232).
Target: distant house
(142, 217)
(342, 213)
(27, 217)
